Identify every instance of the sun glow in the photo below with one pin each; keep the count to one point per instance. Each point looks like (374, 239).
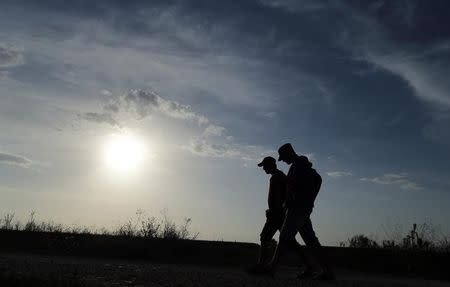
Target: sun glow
(124, 152)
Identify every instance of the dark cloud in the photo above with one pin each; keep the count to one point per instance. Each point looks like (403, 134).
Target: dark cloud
(409, 21)
(297, 6)
(220, 22)
(13, 159)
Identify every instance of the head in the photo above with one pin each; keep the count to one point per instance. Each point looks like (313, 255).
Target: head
(268, 164)
(286, 153)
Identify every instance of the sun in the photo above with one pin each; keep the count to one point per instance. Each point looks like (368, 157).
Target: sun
(124, 152)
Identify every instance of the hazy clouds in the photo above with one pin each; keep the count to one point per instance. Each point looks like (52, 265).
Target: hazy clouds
(10, 56)
(402, 180)
(6, 158)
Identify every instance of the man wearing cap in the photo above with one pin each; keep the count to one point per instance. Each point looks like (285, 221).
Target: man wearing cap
(303, 185)
(275, 213)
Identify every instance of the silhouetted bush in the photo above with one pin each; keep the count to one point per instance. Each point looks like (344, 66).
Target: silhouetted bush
(421, 237)
(362, 241)
(153, 227)
(444, 245)
(140, 226)
(7, 222)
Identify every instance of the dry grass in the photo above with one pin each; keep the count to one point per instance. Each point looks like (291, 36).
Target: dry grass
(138, 226)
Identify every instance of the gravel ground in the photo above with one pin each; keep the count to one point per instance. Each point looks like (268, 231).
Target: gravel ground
(34, 270)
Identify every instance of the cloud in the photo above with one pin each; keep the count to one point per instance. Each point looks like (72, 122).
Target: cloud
(339, 174)
(145, 102)
(402, 180)
(270, 115)
(426, 77)
(311, 156)
(99, 118)
(10, 56)
(212, 140)
(226, 149)
(215, 143)
(213, 130)
(4, 75)
(382, 35)
(106, 93)
(13, 159)
(200, 146)
(438, 130)
(296, 6)
(141, 104)
(425, 73)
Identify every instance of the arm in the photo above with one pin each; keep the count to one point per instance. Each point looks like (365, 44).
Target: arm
(277, 194)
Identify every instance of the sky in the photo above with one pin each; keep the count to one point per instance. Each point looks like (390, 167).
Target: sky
(204, 90)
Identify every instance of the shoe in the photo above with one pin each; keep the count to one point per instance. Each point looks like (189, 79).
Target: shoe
(323, 275)
(260, 269)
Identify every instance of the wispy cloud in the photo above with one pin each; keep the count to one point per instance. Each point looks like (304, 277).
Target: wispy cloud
(402, 180)
(339, 174)
(216, 143)
(226, 148)
(418, 60)
(370, 37)
(427, 78)
(146, 102)
(13, 159)
(10, 56)
(141, 104)
(213, 130)
(99, 118)
(296, 5)
(311, 156)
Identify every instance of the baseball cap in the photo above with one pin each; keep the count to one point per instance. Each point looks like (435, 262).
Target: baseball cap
(284, 150)
(266, 161)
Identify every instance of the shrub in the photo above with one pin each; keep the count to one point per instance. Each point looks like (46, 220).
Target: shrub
(30, 225)
(149, 227)
(6, 223)
(420, 237)
(362, 241)
(153, 227)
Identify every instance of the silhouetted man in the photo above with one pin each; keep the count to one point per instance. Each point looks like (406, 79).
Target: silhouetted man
(275, 213)
(303, 184)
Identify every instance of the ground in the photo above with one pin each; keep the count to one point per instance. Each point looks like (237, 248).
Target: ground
(38, 270)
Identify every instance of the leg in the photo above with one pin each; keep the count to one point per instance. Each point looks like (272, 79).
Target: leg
(266, 239)
(287, 240)
(314, 247)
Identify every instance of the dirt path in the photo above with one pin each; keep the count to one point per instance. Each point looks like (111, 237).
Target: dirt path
(69, 271)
